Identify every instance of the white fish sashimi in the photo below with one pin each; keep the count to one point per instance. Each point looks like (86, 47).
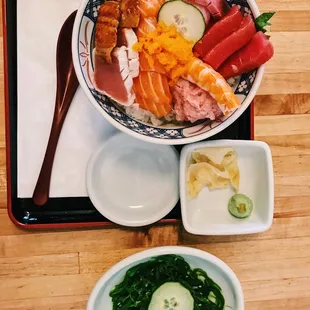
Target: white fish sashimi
(129, 38)
(121, 54)
(134, 67)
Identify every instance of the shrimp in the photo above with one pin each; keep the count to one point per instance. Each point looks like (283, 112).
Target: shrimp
(208, 79)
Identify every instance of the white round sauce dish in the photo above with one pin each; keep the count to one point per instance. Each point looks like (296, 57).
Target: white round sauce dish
(132, 182)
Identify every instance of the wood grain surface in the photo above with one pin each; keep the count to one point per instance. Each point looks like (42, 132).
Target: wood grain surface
(57, 269)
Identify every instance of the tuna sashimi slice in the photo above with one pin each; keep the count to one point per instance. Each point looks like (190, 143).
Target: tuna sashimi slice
(203, 9)
(257, 52)
(198, 49)
(200, 2)
(218, 8)
(109, 80)
(222, 29)
(231, 44)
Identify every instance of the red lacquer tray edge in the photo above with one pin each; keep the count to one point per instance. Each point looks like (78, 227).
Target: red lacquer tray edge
(8, 159)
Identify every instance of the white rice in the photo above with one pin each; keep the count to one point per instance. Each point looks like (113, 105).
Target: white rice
(147, 117)
(170, 117)
(142, 115)
(232, 81)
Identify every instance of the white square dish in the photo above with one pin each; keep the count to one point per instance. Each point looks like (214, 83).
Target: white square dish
(208, 214)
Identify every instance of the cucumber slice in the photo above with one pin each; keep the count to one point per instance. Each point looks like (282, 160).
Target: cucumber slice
(171, 296)
(240, 206)
(186, 17)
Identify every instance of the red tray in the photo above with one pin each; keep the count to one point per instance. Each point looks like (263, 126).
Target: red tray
(70, 211)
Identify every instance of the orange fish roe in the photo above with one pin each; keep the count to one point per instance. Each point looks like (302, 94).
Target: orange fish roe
(169, 48)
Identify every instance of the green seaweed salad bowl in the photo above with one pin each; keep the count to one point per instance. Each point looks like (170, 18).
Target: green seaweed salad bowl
(168, 278)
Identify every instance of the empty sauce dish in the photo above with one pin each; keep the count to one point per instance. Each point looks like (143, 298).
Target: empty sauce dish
(132, 182)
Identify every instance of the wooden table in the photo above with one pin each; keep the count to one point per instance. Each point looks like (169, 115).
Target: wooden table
(57, 269)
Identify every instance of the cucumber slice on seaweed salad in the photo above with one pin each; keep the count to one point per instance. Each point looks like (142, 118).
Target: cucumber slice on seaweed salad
(185, 16)
(172, 296)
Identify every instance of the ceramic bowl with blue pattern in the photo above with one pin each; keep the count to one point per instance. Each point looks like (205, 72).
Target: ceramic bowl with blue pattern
(245, 87)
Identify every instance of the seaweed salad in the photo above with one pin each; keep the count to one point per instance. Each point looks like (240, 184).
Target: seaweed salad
(167, 282)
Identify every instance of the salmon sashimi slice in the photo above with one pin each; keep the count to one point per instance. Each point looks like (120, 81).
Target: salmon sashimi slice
(140, 97)
(153, 93)
(150, 8)
(146, 25)
(208, 79)
(148, 63)
(145, 95)
(222, 29)
(160, 82)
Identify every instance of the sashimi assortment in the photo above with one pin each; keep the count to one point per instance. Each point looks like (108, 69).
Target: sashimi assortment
(170, 60)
